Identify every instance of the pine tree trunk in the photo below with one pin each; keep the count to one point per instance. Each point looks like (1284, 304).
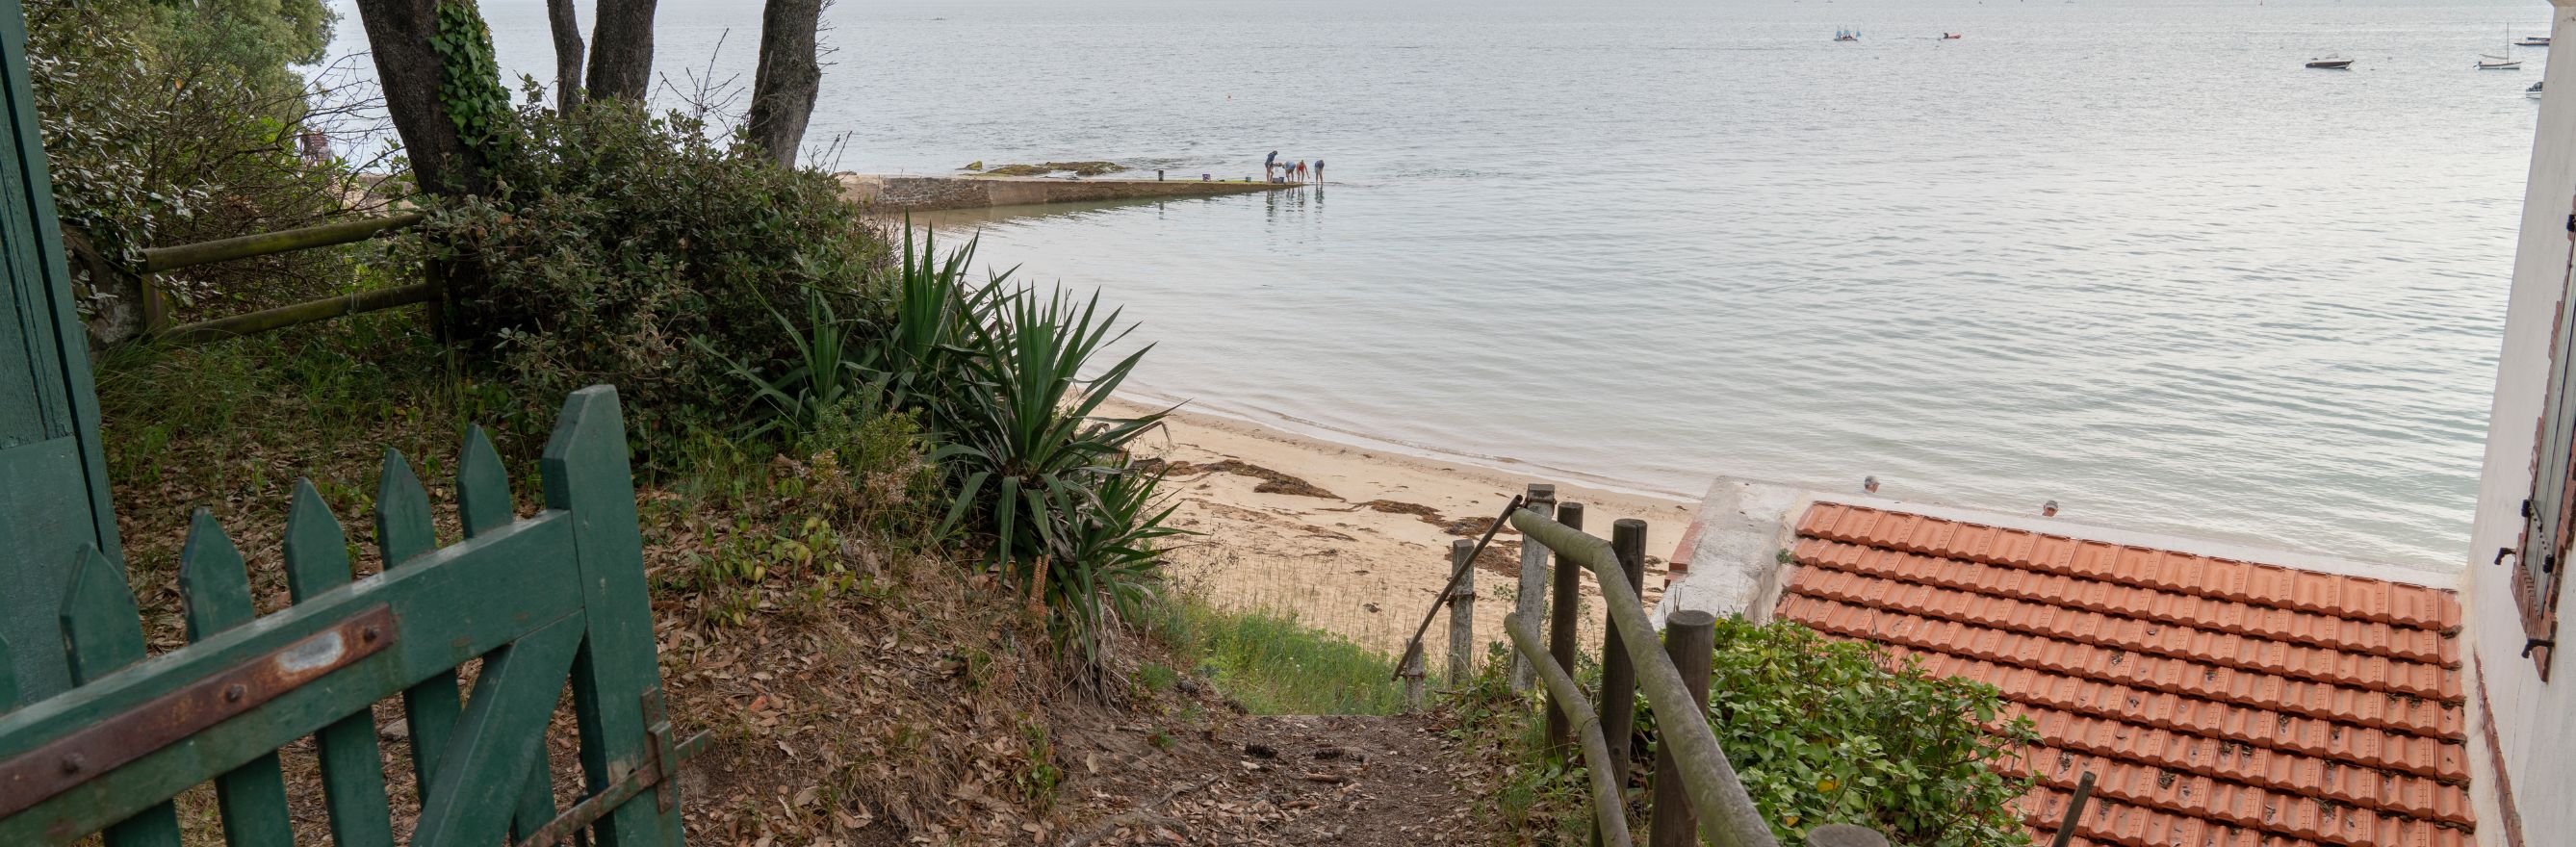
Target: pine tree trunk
(790, 75)
(567, 29)
(621, 50)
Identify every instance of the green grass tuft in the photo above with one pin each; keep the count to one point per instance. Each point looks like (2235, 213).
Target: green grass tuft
(1274, 665)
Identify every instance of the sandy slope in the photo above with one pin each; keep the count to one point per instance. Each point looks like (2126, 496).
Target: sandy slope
(1349, 567)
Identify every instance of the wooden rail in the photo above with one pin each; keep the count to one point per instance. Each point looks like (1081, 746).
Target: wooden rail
(156, 312)
(1726, 814)
(158, 259)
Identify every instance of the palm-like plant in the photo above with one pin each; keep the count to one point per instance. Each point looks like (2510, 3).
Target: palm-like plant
(821, 378)
(1037, 469)
(922, 358)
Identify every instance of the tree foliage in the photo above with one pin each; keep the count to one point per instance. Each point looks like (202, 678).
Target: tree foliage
(180, 121)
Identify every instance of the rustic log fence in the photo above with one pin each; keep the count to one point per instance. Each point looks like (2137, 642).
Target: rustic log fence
(1697, 794)
(158, 260)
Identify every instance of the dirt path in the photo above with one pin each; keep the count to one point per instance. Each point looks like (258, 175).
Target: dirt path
(1298, 780)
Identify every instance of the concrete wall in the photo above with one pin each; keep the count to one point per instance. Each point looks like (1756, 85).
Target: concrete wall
(899, 193)
(2534, 722)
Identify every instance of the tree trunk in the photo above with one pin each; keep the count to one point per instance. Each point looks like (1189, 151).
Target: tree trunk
(409, 72)
(559, 16)
(412, 77)
(790, 74)
(621, 50)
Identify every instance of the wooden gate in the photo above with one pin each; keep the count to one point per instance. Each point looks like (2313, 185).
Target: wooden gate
(556, 598)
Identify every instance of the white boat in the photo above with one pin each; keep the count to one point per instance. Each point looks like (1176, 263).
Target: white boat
(2330, 62)
(2533, 41)
(2506, 62)
(2533, 92)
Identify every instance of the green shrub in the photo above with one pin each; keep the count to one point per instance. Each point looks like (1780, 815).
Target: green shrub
(615, 239)
(1825, 731)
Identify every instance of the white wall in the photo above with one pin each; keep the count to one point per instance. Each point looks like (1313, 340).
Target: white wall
(2535, 722)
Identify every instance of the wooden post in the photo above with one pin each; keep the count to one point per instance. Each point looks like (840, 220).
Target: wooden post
(2074, 811)
(1462, 615)
(1690, 639)
(1531, 602)
(1413, 680)
(1618, 672)
(1564, 615)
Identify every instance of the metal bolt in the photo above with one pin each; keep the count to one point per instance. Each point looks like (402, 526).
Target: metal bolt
(369, 635)
(72, 763)
(233, 693)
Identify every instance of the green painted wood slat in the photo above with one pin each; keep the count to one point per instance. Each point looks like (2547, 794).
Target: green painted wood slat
(586, 474)
(503, 734)
(216, 584)
(353, 768)
(405, 531)
(102, 634)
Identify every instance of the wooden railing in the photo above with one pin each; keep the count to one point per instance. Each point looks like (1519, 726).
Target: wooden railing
(156, 309)
(1697, 793)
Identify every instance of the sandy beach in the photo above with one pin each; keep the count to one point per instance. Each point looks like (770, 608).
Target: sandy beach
(1355, 540)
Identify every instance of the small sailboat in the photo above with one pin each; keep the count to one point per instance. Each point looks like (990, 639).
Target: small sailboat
(2533, 92)
(2506, 62)
(2330, 62)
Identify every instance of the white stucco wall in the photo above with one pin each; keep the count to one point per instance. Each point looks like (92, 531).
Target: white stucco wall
(2535, 722)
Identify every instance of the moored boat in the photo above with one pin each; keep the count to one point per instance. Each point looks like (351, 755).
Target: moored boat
(2330, 62)
(2506, 62)
(2534, 91)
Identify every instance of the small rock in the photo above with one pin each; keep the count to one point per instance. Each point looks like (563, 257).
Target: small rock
(1329, 753)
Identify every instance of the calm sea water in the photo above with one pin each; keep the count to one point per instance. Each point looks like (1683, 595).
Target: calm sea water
(2128, 256)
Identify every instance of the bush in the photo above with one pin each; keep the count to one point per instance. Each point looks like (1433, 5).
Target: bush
(614, 239)
(1828, 731)
(175, 123)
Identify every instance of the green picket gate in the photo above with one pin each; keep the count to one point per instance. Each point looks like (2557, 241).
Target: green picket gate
(545, 601)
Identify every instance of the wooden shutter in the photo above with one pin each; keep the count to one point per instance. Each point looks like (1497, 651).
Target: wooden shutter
(2541, 562)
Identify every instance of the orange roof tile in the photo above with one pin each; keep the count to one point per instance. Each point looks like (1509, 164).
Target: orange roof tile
(2219, 703)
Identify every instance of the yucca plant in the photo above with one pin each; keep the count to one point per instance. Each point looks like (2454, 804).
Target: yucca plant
(1111, 535)
(1032, 460)
(822, 378)
(922, 359)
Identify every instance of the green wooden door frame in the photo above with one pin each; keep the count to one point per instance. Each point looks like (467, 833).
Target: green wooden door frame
(53, 477)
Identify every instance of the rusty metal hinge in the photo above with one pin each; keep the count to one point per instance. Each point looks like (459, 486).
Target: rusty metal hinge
(40, 774)
(659, 773)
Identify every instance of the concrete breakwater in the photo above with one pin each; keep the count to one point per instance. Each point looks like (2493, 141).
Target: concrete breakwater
(907, 193)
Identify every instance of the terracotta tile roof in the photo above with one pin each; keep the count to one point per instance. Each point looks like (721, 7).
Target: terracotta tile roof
(2219, 703)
